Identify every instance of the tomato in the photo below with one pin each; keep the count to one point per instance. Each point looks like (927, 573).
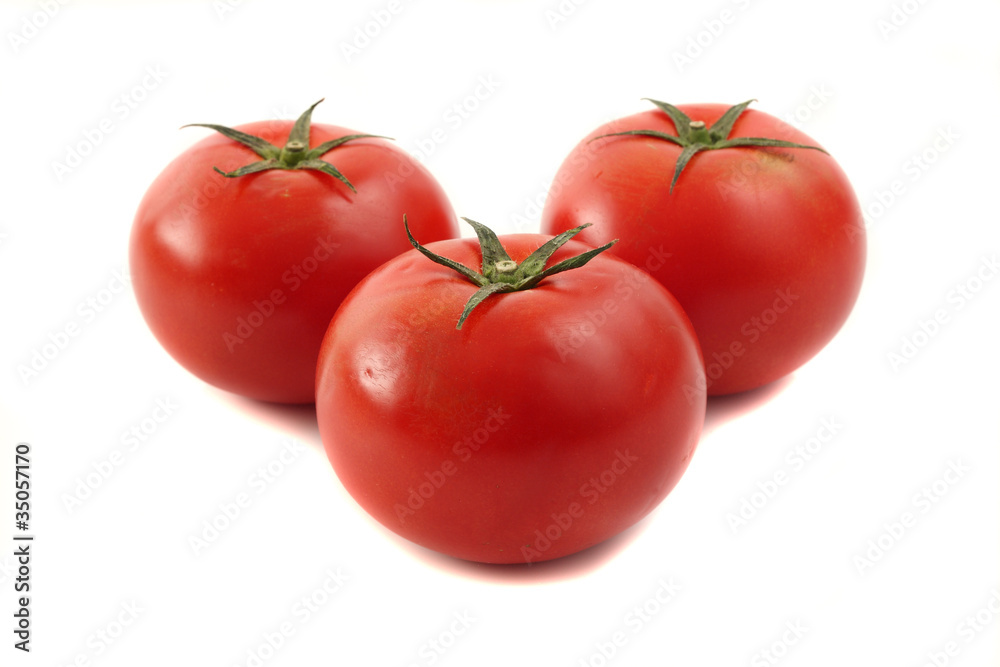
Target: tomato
(513, 424)
(238, 277)
(763, 245)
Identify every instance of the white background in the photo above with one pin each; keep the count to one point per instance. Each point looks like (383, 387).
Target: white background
(115, 580)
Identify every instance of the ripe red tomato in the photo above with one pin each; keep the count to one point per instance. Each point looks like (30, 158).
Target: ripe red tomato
(238, 277)
(763, 246)
(554, 418)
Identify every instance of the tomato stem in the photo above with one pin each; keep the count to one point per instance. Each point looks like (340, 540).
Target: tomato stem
(500, 273)
(506, 267)
(693, 136)
(699, 133)
(295, 154)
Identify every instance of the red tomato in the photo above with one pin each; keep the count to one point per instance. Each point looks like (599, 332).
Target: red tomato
(764, 247)
(238, 277)
(555, 418)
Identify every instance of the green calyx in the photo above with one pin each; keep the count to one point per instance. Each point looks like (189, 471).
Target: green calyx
(499, 272)
(295, 154)
(693, 136)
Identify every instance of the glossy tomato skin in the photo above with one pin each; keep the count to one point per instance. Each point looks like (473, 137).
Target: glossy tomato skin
(554, 419)
(238, 277)
(763, 247)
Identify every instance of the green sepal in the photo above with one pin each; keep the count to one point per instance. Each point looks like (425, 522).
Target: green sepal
(645, 133)
(574, 262)
(526, 275)
(251, 168)
(261, 147)
(761, 141)
(532, 269)
(326, 168)
(682, 122)
(468, 273)
(724, 125)
(693, 137)
(682, 160)
(492, 250)
(535, 263)
(295, 154)
(300, 130)
(328, 146)
(480, 296)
